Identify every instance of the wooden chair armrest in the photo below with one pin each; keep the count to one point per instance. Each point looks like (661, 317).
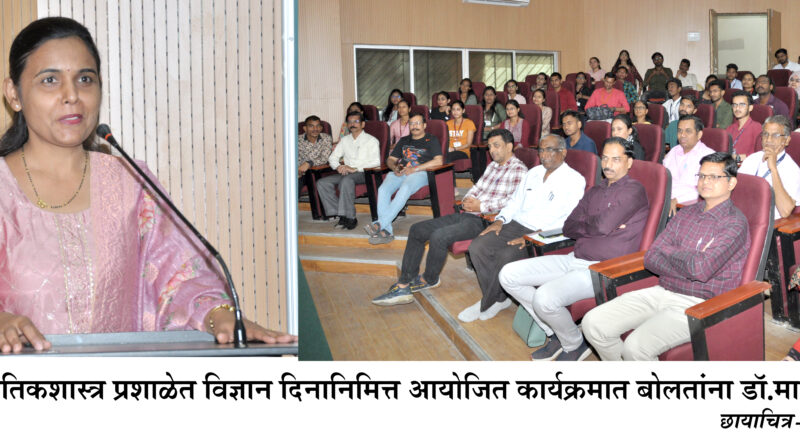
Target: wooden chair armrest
(617, 267)
(489, 216)
(443, 167)
(380, 168)
(791, 224)
(530, 240)
(321, 167)
(727, 300)
(793, 218)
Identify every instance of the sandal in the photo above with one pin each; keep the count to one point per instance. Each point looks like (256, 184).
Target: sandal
(372, 229)
(382, 237)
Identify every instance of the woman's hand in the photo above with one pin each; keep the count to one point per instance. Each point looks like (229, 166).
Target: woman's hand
(16, 330)
(223, 330)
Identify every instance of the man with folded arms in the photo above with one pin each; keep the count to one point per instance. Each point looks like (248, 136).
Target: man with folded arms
(776, 166)
(489, 195)
(542, 201)
(700, 254)
(683, 161)
(607, 223)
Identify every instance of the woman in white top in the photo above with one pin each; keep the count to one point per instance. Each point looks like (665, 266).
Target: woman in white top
(595, 70)
(511, 89)
(547, 112)
(389, 114)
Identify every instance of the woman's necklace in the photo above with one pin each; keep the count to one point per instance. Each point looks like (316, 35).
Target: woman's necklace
(44, 205)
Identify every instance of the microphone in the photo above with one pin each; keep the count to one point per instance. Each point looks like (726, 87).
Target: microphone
(239, 334)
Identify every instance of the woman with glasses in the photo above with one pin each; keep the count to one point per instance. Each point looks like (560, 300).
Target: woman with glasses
(389, 113)
(516, 124)
(511, 90)
(640, 112)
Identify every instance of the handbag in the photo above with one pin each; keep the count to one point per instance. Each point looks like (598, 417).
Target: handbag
(528, 330)
(600, 113)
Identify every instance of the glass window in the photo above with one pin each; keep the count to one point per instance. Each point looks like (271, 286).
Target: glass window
(534, 64)
(379, 71)
(491, 68)
(435, 71)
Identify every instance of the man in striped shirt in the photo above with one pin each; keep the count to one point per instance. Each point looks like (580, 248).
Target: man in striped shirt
(489, 195)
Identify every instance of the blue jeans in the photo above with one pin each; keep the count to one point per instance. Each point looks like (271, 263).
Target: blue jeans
(405, 186)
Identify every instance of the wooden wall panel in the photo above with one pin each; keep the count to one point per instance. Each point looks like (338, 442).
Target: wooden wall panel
(194, 88)
(14, 15)
(578, 29)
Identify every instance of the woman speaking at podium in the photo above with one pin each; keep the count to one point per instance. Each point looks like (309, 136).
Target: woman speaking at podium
(84, 246)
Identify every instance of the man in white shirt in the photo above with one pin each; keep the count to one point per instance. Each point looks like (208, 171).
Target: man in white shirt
(356, 151)
(542, 201)
(689, 80)
(674, 102)
(783, 61)
(775, 165)
(732, 70)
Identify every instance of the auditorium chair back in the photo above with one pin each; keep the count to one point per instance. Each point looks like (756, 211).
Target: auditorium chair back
(598, 131)
(779, 77)
(706, 114)
(585, 163)
(717, 139)
(533, 116)
(789, 97)
(760, 113)
(657, 114)
(652, 139)
(728, 95)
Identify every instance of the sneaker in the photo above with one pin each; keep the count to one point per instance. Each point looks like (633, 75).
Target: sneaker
(381, 237)
(418, 285)
(342, 223)
(495, 309)
(351, 223)
(471, 313)
(549, 351)
(577, 355)
(372, 229)
(396, 295)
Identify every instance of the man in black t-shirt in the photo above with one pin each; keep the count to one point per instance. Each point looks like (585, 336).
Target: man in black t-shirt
(409, 160)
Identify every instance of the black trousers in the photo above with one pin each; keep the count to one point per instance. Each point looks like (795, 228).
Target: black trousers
(489, 253)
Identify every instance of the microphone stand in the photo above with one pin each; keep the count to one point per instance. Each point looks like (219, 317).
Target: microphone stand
(239, 333)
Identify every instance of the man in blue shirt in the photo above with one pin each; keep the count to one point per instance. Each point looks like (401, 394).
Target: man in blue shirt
(576, 139)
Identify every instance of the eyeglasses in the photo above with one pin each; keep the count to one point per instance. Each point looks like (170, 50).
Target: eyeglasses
(615, 159)
(396, 96)
(767, 136)
(415, 124)
(712, 178)
(739, 105)
(548, 150)
(355, 121)
(640, 108)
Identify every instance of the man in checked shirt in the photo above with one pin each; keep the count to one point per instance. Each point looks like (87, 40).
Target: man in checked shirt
(489, 195)
(700, 254)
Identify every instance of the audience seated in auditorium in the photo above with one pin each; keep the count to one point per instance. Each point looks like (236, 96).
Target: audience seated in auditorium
(624, 59)
(461, 131)
(409, 161)
(354, 152)
(723, 113)
(775, 165)
(572, 126)
(489, 195)
(783, 61)
(700, 254)
(565, 97)
(764, 87)
(399, 128)
(749, 85)
(345, 129)
(688, 107)
(608, 96)
(607, 223)
(731, 71)
(640, 112)
(673, 101)
(705, 96)
(655, 79)
(494, 113)
(547, 112)
(542, 201)
(744, 130)
(512, 89)
(515, 123)
(389, 113)
(466, 93)
(442, 109)
(622, 127)
(683, 161)
(688, 80)
(313, 146)
(582, 91)
(595, 71)
(627, 87)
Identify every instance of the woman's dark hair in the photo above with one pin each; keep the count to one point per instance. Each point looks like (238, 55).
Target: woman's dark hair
(633, 113)
(387, 112)
(483, 100)
(442, 93)
(598, 61)
(27, 41)
(471, 92)
(617, 63)
(356, 104)
(539, 90)
(516, 104)
(628, 123)
(711, 76)
(459, 103)
(508, 82)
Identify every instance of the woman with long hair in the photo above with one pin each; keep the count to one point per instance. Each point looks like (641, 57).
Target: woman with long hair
(493, 112)
(389, 113)
(624, 59)
(461, 131)
(749, 84)
(92, 249)
(583, 91)
(515, 123)
(538, 98)
(621, 126)
(465, 92)
(442, 109)
(400, 127)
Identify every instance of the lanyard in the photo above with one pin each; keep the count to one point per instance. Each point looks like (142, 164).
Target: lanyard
(740, 135)
(768, 170)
